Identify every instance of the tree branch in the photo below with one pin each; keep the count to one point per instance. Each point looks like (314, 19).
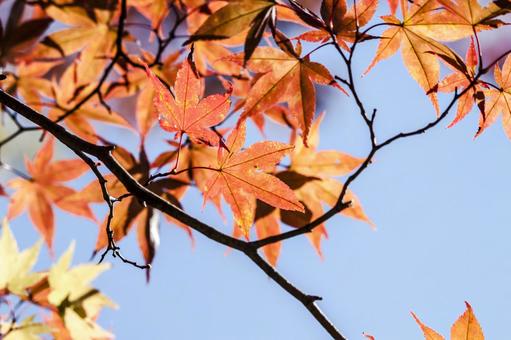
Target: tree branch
(103, 153)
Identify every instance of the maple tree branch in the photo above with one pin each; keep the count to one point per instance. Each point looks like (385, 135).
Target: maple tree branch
(352, 87)
(309, 301)
(340, 205)
(104, 154)
(112, 245)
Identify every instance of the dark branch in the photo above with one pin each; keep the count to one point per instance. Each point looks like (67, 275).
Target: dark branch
(103, 153)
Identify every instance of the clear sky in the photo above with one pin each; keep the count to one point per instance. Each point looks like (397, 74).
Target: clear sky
(441, 205)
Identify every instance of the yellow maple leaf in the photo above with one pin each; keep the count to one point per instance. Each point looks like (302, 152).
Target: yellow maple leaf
(15, 275)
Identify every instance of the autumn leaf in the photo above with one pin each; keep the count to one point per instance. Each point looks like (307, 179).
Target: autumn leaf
(67, 92)
(71, 283)
(213, 53)
(311, 176)
(266, 225)
(134, 81)
(237, 16)
(27, 329)
(462, 18)
(63, 291)
(44, 188)
(429, 334)
(323, 165)
(16, 266)
(465, 328)
(460, 80)
(342, 22)
(285, 78)
(29, 83)
(419, 50)
(89, 32)
(188, 112)
(278, 113)
(154, 11)
(18, 37)
(369, 336)
(240, 178)
(70, 288)
(498, 100)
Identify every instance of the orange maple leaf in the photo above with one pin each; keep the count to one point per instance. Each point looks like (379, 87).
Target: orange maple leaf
(343, 23)
(213, 53)
(240, 176)
(465, 328)
(464, 17)
(311, 175)
(287, 78)
(499, 100)
(460, 80)
(187, 112)
(44, 188)
(87, 30)
(414, 35)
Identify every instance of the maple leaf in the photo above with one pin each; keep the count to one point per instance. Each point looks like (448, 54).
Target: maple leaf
(213, 53)
(240, 178)
(69, 91)
(287, 78)
(134, 80)
(266, 225)
(499, 100)
(187, 112)
(465, 328)
(90, 34)
(310, 175)
(369, 336)
(154, 11)
(418, 49)
(461, 79)
(18, 37)
(279, 113)
(27, 329)
(70, 289)
(341, 22)
(44, 188)
(266, 222)
(29, 84)
(15, 275)
(462, 18)
(238, 16)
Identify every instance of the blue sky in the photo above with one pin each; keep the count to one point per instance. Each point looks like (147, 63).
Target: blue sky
(440, 202)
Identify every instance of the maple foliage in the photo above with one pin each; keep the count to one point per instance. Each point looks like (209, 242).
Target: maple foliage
(44, 188)
(208, 72)
(62, 291)
(465, 328)
(187, 112)
(240, 177)
(499, 99)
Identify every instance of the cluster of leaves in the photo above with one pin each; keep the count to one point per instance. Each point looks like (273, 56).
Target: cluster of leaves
(104, 54)
(63, 293)
(276, 83)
